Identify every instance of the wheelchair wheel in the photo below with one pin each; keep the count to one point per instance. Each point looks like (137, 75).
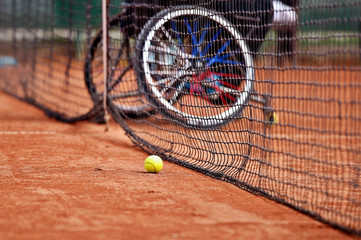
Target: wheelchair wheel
(194, 66)
(122, 84)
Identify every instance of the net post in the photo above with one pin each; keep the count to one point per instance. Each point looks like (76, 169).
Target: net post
(105, 60)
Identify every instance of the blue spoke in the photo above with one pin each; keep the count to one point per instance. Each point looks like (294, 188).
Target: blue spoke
(176, 31)
(228, 62)
(195, 28)
(186, 86)
(187, 25)
(202, 37)
(194, 40)
(210, 44)
(227, 56)
(203, 34)
(211, 61)
(223, 48)
(217, 59)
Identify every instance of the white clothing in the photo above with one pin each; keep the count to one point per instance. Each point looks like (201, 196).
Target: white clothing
(283, 13)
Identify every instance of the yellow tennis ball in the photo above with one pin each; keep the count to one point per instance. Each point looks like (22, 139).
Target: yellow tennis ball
(273, 119)
(153, 164)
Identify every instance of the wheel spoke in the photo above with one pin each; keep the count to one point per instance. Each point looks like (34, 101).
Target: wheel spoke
(179, 75)
(165, 49)
(119, 79)
(193, 36)
(204, 33)
(166, 33)
(217, 58)
(169, 85)
(224, 59)
(164, 80)
(224, 89)
(211, 42)
(177, 92)
(162, 73)
(176, 33)
(228, 75)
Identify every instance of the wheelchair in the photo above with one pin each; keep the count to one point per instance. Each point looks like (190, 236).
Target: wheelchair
(192, 64)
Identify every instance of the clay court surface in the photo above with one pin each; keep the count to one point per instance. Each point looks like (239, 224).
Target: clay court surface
(75, 181)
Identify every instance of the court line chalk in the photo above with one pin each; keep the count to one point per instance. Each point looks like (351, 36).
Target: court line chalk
(27, 133)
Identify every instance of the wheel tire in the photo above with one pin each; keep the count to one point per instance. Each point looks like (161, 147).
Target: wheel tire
(93, 73)
(171, 44)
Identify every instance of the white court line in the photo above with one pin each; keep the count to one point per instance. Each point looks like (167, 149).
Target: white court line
(27, 133)
(302, 136)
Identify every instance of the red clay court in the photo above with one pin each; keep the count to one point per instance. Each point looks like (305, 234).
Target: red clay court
(254, 106)
(75, 181)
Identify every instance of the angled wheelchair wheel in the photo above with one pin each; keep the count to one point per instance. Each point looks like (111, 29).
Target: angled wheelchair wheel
(194, 66)
(122, 84)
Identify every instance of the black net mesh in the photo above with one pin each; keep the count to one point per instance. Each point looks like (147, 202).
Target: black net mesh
(263, 94)
(43, 47)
